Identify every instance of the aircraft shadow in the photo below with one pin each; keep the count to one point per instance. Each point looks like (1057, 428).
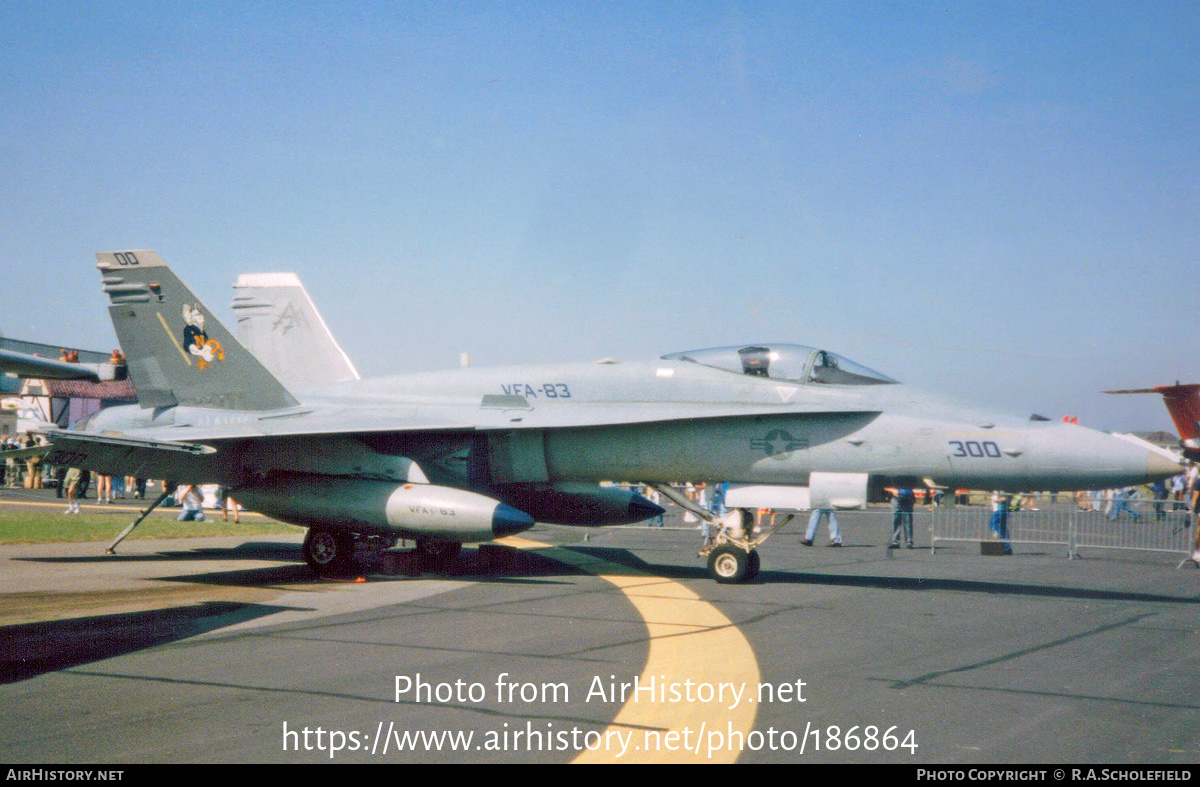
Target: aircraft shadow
(770, 577)
(250, 550)
(32, 649)
(493, 564)
(499, 565)
(967, 586)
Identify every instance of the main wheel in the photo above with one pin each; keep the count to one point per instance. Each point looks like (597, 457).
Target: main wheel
(328, 552)
(728, 564)
(438, 554)
(755, 564)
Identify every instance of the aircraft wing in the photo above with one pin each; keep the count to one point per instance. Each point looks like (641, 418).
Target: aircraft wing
(24, 453)
(120, 455)
(619, 414)
(428, 418)
(193, 361)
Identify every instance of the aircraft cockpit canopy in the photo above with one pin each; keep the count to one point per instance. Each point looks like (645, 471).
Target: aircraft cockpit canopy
(792, 363)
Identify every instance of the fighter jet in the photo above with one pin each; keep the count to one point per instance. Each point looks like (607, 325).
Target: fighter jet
(469, 455)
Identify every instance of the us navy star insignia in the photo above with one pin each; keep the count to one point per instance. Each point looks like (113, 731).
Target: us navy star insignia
(778, 442)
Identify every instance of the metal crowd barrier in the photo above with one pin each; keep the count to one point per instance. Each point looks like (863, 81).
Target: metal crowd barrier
(1137, 524)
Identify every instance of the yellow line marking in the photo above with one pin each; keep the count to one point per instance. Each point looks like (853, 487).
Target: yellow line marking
(115, 507)
(174, 341)
(690, 639)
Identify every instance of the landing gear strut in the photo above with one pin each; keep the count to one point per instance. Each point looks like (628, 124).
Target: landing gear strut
(732, 551)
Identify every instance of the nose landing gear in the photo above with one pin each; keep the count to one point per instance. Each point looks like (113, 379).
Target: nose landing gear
(732, 552)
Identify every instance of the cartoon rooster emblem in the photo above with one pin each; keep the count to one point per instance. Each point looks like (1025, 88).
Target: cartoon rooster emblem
(196, 341)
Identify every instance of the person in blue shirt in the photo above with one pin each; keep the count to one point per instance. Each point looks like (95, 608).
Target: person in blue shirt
(999, 521)
(902, 517)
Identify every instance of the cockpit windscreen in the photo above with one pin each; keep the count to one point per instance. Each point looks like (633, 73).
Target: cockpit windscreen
(793, 363)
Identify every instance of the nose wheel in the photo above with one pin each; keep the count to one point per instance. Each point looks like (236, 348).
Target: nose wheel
(732, 551)
(729, 564)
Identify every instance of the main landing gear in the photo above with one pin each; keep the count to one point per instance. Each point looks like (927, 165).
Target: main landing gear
(331, 552)
(328, 552)
(437, 554)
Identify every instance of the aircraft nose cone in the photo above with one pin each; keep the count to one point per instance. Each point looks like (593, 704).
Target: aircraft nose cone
(1159, 466)
(1076, 457)
(507, 520)
(640, 509)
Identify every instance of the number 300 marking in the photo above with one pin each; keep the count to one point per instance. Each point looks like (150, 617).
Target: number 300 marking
(975, 449)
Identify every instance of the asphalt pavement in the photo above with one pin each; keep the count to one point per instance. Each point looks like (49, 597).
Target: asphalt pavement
(602, 644)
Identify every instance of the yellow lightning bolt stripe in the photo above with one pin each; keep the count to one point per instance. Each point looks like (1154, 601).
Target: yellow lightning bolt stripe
(689, 639)
(174, 341)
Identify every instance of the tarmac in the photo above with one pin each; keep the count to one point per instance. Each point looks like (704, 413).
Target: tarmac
(611, 644)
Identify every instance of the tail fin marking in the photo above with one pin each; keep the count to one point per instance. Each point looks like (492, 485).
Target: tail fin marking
(280, 324)
(178, 352)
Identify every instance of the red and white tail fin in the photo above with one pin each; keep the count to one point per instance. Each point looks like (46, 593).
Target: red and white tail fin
(1183, 403)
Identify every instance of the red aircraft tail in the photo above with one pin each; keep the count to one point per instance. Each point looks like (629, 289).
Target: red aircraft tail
(1183, 403)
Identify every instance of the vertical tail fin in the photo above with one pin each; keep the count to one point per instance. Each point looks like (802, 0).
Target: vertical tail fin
(280, 324)
(177, 351)
(1183, 403)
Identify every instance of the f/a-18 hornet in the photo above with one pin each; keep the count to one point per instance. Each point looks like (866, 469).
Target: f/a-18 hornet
(470, 455)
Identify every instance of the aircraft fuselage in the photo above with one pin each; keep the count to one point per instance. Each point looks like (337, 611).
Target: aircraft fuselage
(666, 420)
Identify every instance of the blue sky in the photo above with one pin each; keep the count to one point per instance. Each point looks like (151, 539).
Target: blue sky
(995, 201)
